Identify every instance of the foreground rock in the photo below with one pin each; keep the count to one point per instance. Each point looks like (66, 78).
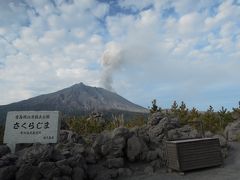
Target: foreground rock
(224, 145)
(232, 131)
(135, 147)
(109, 155)
(35, 154)
(8, 172)
(159, 131)
(4, 150)
(184, 132)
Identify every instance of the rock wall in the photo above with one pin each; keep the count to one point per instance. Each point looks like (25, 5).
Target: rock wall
(108, 155)
(232, 131)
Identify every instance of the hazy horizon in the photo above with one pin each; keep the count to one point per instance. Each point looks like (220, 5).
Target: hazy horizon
(166, 50)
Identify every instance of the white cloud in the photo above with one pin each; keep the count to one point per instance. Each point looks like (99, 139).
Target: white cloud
(229, 29)
(57, 45)
(100, 10)
(182, 52)
(168, 49)
(226, 12)
(119, 25)
(189, 22)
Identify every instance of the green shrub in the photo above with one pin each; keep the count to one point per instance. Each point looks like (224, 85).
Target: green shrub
(212, 121)
(207, 121)
(84, 126)
(139, 121)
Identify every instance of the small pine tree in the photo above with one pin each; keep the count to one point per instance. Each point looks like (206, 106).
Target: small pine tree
(194, 118)
(174, 108)
(222, 113)
(236, 112)
(194, 114)
(210, 120)
(154, 107)
(183, 113)
(225, 117)
(210, 109)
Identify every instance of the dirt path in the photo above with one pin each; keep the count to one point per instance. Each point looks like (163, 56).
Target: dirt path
(230, 170)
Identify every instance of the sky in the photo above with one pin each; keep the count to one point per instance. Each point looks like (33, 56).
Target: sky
(183, 50)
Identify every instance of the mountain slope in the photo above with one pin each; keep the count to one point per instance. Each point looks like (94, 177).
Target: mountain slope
(77, 99)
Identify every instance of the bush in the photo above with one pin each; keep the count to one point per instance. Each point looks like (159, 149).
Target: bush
(211, 121)
(139, 121)
(207, 121)
(84, 126)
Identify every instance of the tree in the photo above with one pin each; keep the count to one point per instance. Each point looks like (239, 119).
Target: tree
(225, 117)
(210, 109)
(154, 107)
(210, 120)
(174, 108)
(236, 112)
(222, 113)
(183, 113)
(194, 114)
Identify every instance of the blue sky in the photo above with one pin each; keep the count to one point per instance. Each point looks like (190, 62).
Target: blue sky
(182, 50)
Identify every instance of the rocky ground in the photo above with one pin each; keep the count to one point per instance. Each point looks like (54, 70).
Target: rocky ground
(229, 171)
(118, 154)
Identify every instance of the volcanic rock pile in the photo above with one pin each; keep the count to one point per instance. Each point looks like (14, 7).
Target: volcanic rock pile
(108, 155)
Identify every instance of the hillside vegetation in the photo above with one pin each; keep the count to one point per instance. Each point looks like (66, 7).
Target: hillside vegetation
(99, 148)
(214, 121)
(210, 120)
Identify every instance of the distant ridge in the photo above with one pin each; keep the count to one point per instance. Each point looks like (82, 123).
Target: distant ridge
(78, 99)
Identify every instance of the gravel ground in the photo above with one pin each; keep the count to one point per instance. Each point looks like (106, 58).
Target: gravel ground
(229, 171)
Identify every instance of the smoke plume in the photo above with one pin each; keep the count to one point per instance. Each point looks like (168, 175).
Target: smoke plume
(111, 61)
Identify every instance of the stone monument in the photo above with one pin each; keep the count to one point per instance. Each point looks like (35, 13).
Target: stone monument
(31, 127)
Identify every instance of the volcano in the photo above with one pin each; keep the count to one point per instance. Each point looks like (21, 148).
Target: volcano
(78, 99)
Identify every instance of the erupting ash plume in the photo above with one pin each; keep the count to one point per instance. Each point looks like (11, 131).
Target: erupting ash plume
(111, 61)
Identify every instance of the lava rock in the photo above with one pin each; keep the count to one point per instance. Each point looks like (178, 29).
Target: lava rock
(7, 160)
(36, 154)
(28, 172)
(135, 146)
(78, 174)
(115, 163)
(184, 132)
(155, 118)
(8, 172)
(232, 131)
(67, 136)
(149, 170)
(4, 149)
(124, 172)
(49, 170)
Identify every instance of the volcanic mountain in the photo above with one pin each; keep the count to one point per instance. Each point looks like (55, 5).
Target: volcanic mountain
(78, 99)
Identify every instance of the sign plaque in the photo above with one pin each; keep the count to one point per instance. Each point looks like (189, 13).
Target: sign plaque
(31, 127)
